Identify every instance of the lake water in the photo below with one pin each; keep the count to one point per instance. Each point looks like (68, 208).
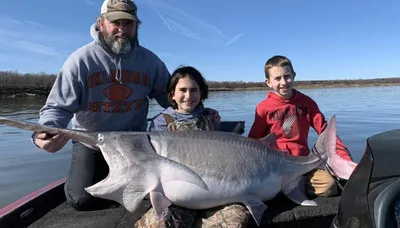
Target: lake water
(360, 113)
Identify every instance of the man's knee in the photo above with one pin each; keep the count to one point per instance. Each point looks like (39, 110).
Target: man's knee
(87, 167)
(79, 202)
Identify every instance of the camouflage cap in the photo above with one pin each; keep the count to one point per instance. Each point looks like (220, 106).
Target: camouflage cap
(119, 9)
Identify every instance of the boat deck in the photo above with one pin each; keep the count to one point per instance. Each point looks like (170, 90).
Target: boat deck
(280, 213)
(64, 216)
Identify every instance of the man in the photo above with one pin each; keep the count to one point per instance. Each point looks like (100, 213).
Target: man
(102, 86)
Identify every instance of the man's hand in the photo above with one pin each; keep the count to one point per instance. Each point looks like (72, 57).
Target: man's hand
(50, 143)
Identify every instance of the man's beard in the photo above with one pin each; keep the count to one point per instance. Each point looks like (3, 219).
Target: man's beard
(116, 45)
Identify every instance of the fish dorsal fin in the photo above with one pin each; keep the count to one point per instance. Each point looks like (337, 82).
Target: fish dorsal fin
(270, 140)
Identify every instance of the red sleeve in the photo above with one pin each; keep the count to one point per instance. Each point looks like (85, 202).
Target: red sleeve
(342, 150)
(318, 122)
(259, 128)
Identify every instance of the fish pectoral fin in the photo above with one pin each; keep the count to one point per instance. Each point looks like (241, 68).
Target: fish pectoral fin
(107, 188)
(173, 171)
(160, 203)
(298, 196)
(132, 200)
(256, 208)
(114, 189)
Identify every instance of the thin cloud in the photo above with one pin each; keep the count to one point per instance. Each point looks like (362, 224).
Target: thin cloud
(35, 48)
(31, 37)
(186, 24)
(4, 21)
(8, 20)
(90, 2)
(35, 45)
(9, 33)
(159, 14)
(35, 24)
(182, 29)
(234, 39)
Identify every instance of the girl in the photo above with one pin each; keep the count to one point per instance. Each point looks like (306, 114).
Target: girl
(187, 89)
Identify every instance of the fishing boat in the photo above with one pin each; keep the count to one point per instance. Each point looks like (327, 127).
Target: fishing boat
(371, 196)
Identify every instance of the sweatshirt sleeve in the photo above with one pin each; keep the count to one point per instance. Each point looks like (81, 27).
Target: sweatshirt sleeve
(319, 123)
(158, 123)
(63, 100)
(159, 90)
(259, 128)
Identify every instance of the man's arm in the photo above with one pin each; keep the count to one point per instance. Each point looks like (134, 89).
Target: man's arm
(159, 90)
(64, 98)
(58, 110)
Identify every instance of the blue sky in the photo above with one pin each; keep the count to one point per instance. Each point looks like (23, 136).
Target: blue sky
(227, 40)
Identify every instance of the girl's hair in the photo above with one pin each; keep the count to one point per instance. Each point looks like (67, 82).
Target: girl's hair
(278, 61)
(183, 72)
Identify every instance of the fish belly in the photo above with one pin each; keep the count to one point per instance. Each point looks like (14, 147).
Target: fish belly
(220, 193)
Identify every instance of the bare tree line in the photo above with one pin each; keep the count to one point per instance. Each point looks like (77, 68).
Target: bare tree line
(237, 85)
(14, 83)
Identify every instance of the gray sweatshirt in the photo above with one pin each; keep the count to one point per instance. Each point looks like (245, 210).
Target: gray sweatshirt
(160, 124)
(102, 91)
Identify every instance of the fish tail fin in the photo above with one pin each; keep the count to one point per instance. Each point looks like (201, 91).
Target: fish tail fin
(325, 148)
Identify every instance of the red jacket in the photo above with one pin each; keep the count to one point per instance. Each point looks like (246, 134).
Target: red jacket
(290, 119)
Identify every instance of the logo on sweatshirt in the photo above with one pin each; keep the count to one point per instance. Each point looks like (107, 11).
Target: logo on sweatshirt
(125, 76)
(289, 119)
(117, 88)
(289, 126)
(117, 92)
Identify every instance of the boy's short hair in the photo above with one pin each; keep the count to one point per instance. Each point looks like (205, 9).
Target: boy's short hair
(183, 72)
(278, 60)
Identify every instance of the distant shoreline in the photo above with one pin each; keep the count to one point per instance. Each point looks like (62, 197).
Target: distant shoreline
(14, 93)
(13, 84)
(314, 86)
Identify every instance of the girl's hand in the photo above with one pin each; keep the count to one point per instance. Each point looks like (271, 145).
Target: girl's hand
(215, 115)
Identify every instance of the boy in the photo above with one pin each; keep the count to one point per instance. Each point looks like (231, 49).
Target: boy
(289, 114)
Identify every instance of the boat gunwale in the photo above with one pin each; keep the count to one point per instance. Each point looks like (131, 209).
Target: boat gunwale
(25, 200)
